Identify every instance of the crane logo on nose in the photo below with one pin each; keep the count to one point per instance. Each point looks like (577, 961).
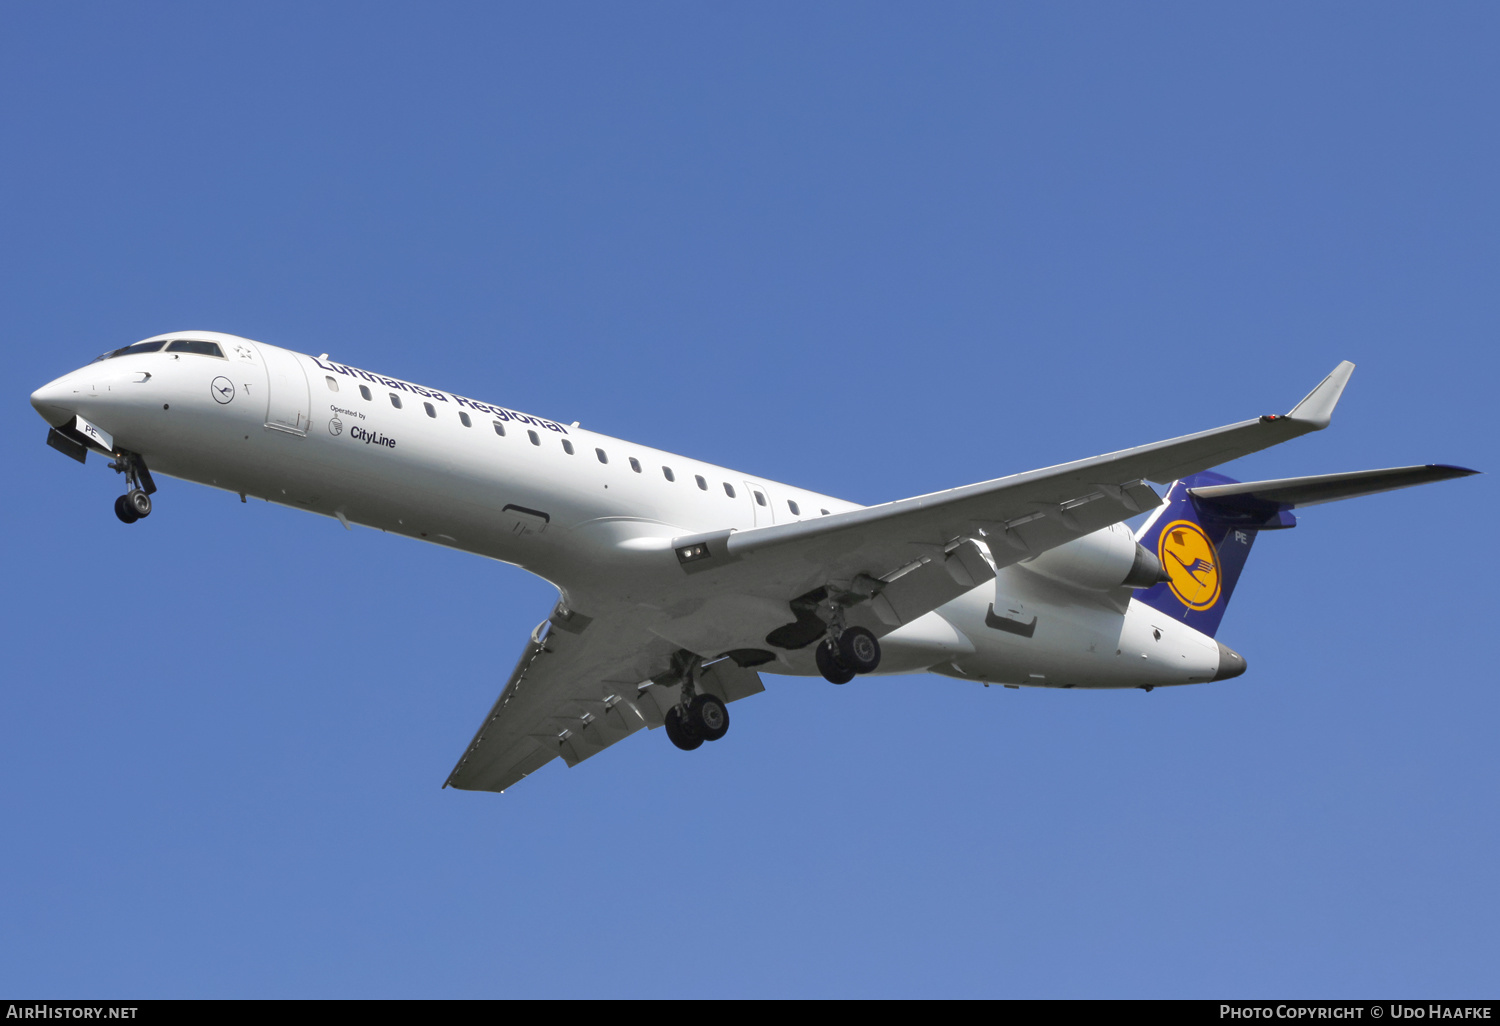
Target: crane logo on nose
(222, 389)
(1191, 562)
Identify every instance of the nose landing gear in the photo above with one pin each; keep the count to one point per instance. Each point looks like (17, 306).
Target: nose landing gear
(135, 503)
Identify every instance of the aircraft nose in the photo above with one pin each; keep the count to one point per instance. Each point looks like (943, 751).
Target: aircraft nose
(54, 401)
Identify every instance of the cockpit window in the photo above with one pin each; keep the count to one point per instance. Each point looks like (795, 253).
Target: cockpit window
(193, 345)
(139, 347)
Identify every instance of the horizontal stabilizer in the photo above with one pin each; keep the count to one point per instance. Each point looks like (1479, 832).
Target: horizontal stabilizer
(1293, 492)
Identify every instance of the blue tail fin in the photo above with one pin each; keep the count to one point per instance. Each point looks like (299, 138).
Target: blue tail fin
(1202, 546)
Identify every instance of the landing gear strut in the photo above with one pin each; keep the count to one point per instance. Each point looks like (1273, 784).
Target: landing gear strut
(846, 651)
(135, 503)
(698, 716)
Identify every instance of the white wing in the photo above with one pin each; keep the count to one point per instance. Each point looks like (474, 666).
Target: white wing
(581, 685)
(915, 554)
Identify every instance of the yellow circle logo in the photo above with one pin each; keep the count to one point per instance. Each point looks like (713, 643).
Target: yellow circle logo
(1191, 563)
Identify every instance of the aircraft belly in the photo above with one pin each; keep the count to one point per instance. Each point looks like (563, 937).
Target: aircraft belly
(1080, 644)
(913, 647)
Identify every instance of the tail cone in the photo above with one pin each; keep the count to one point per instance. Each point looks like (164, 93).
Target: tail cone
(1231, 663)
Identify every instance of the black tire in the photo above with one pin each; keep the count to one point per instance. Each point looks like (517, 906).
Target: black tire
(124, 512)
(709, 718)
(677, 735)
(859, 650)
(830, 666)
(139, 502)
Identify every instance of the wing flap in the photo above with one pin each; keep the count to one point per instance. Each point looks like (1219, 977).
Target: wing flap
(916, 589)
(522, 766)
(730, 681)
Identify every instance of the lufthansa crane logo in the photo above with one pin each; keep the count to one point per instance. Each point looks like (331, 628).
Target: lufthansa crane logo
(1191, 563)
(222, 389)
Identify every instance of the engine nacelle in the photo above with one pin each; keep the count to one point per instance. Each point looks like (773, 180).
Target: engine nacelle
(1101, 561)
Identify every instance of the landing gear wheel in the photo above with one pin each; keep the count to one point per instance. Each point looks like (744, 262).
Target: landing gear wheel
(858, 650)
(124, 512)
(708, 717)
(136, 502)
(830, 666)
(677, 734)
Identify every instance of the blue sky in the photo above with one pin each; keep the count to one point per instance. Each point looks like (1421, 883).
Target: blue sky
(874, 250)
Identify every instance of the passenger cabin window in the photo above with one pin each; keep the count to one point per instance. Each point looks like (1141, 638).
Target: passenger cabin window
(395, 400)
(567, 447)
(823, 511)
(463, 419)
(600, 453)
(534, 439)
(635, 464)
(760, 500)
(499, 429)
(666, 472)
(701, 483)
(729, 489)
(430, 411)
(192, 345)
(333, 386)
(791, 504)
(364, 390)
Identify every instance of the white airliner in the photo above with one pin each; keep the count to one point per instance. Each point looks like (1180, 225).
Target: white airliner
(677, 580)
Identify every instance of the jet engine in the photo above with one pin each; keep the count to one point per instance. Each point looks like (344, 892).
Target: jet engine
(1101, 561)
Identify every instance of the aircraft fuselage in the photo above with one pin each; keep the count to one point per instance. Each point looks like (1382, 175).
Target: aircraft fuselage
(592, 514)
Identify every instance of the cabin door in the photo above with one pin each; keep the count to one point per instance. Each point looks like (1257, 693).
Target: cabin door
(288, 402)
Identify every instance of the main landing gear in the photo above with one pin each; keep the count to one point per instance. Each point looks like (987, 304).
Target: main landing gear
(846, 651)
(135, 503)
(704, 719)
(697, 717)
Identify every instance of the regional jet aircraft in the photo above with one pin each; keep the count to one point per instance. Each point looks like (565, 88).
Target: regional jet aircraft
(679, 581)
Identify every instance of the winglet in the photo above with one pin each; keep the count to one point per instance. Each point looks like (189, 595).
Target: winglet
(1317, 409)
